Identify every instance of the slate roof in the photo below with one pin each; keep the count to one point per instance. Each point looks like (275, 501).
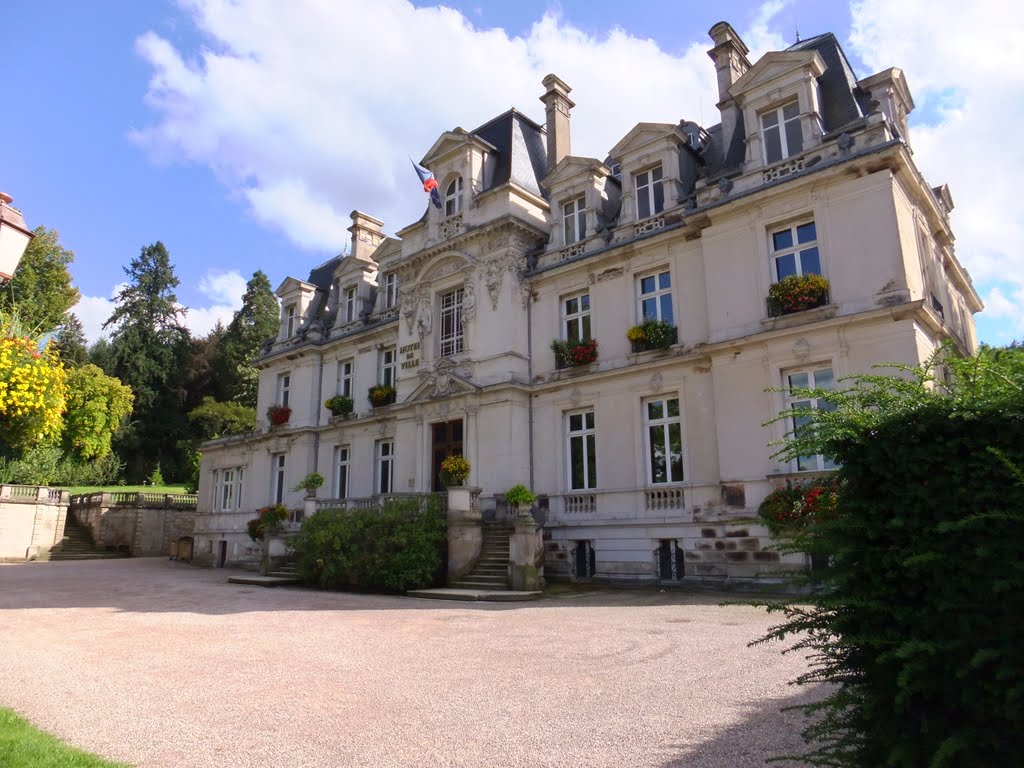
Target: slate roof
(838, 85)
(521, 154)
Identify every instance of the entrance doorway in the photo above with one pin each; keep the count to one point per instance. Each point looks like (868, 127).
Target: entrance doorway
(447, 440)
(222, 553)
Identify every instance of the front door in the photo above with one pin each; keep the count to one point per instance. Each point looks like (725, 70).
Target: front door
(447, 441)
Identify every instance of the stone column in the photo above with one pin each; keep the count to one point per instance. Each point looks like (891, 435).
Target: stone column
(465, 530)
(526, 554)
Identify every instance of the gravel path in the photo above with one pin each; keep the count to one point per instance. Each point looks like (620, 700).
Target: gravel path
(161, 664)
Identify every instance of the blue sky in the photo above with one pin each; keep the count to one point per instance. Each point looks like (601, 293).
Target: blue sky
(241, 133)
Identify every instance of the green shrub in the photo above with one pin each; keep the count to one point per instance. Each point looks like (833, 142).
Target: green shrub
(519, 494)
(396, 547)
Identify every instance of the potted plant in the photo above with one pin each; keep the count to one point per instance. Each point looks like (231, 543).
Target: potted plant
(652, 334)
(454, 470)
(310, 483)
(267, 521)
(339, 405)
(789, 511)
(381, 394)
(279, 414)
(797, 293)
(519, 498)
(572, 354)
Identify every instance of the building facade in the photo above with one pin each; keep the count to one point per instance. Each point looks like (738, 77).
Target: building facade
(500, 320)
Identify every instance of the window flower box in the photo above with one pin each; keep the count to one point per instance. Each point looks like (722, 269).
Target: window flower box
(797, 293)
(652, 334)
(279, 415)
(339, 405)
(381, 395)
(573, 354)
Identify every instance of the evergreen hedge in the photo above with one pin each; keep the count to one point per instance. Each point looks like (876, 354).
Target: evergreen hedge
(916, 620)
(397, 546)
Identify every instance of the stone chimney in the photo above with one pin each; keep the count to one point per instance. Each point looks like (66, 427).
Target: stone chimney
(556, 106)
(730, 57)
(366, 235)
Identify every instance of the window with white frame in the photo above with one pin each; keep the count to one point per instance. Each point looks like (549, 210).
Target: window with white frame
(795, 251)
(390, 290)
(277, 478)
(453, 197)
(811, 378)
(782, 133)
(289, 321)
(581, 448)
(227, 489)
(345, 378)
(664, 433)
(650, 194)
(388, 366)
(385, 465)
(574, 221)
(576, 317)
(656, 297)
(349, 304)
(284, 386)
(341, 470)
(451, 322)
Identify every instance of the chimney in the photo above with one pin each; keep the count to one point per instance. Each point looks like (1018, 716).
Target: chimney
(730, 57)
(556, 106)
(366, 235)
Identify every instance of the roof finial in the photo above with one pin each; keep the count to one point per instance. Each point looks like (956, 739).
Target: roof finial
(797, 28)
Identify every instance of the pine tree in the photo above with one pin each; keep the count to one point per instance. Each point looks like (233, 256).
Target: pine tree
(70, 342)
(253, 323)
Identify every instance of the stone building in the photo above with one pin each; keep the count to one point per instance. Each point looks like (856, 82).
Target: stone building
(649, 462)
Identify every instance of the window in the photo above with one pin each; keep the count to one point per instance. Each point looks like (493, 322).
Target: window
(349, 304)
(289, 322)
(227, 489)
(341, 454)
(664, 440)
(277, 477)
(782, 133)
(818, 378)
(650, 196)
(453, 197)
(345, 368)
(451, 322)
(582, 450)
(385, 465)
(284, 385)
(795, 251)
(390, 290)
(388, 364)
(656, 297)
(576, 317)
(584, 559)
(671, 565)
(574, 220)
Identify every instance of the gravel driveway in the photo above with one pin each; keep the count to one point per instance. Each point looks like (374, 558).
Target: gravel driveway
(158, 663)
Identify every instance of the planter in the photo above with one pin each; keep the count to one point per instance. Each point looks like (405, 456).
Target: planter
(381, 395)
(797, 293)
(574, 354)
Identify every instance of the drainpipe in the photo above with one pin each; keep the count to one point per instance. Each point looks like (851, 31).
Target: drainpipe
(529, 379)
(316, 423)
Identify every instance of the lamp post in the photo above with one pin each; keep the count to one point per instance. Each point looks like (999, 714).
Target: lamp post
(14, 238)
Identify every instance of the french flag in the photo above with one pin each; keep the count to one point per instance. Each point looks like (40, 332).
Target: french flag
(429, 183)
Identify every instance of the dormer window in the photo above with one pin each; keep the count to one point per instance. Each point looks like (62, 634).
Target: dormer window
(783, 136)
(289, 321)
(574, 221)
(650, 195)
(390, 290)
(453, 197)
(349, 304)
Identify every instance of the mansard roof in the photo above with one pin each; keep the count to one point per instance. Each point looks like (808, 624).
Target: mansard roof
(841, 101)
(520, 150)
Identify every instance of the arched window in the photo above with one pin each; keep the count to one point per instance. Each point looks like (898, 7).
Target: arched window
(453, 197)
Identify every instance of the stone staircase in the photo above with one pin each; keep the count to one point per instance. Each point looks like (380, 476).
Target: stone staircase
(285, 570)
(491, 571)
(77, 544)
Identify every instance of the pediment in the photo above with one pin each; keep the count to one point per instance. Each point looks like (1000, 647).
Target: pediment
(441, 380)
(644, 134)
(452, 141)
(351, 266)
(292, 284)
(776, 66)
(571, 166)
(447, 264)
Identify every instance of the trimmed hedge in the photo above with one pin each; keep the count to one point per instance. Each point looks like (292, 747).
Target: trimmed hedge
(398, 546)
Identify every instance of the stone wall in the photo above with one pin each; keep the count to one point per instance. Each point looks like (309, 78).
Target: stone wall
(31, 521)
(142, 524)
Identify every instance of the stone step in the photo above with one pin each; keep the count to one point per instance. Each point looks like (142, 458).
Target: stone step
(484, 578)
(467, 584)
(500, 573)
(492, 560)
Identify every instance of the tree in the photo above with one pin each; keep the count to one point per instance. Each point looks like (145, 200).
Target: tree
(203, 377)
(213, 419)
(32, 393)
(41, 288)
(255, 321)
(97, 404)
(71, 342)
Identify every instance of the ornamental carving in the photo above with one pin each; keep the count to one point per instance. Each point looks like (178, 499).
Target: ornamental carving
(468, 303)
(493, 276)
(407, 302)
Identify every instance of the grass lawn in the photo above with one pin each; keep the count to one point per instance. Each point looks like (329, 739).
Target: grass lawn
(24, 746)
(76, 490)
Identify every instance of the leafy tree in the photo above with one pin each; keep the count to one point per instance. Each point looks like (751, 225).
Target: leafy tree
(71, 342)
(41, 288)
(213, 419)
(255, 321)
(97, 404)
(33, 390)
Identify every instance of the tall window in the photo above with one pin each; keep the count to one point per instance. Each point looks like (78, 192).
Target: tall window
(781, 130)
(574, 220)
(350, 304)
(345, 368)
(277, 477)
(795, 251)
(816, 378)
(341, 466)
(284, 386)
(388, 364)
(453, 197)
(650, 196)
(582, 450)
(385, 465)
(390, 290)
(664, 440)
(576, 317)
(228, 489)
(656, 297)
(289, 321)
(451, 322)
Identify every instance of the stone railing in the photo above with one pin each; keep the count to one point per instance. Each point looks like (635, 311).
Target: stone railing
(571, 252)
(451, 226)
(653, 224)
(31, 520)
(629, 504)
(33, 493)
(363, 502)
(141, 523)
(664, 499)
(135, 499)
(785, 168)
